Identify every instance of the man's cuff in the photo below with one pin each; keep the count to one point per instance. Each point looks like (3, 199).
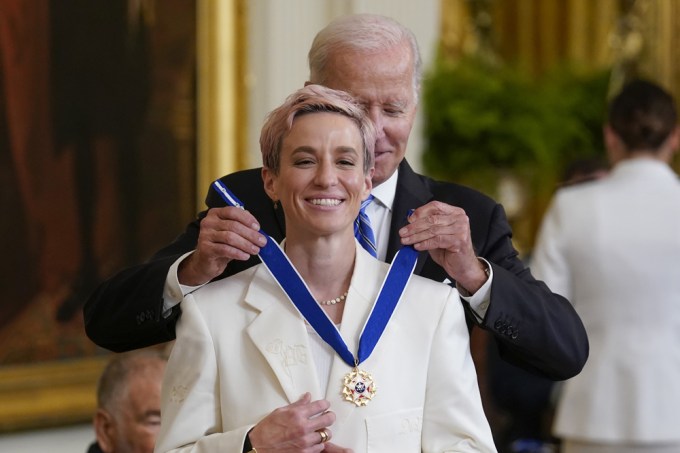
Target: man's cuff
(173, 291)
(479, 301)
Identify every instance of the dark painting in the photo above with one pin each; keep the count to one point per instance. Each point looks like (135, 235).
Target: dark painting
(97, 156)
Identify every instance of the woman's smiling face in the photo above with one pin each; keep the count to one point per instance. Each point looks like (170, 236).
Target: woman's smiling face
(321, 182)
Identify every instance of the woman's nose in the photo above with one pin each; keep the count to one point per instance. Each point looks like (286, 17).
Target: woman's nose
(326, 174)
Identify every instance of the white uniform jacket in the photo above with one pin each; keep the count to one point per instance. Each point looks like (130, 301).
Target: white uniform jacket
(612, 247)
(243, 350)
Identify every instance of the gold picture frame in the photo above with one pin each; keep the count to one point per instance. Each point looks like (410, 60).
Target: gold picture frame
(48, 367)
(42, 388)
(42, 395)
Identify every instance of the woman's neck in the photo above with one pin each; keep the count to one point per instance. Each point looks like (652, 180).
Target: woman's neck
(326, 265)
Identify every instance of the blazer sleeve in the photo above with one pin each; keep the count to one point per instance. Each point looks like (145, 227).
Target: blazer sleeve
(453, 417)
(534, 328)
(125, 312)
(190, 403)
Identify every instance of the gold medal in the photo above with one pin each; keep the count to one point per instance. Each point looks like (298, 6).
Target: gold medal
(358, 387)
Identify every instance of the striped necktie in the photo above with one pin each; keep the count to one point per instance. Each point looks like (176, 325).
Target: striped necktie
(362, 228)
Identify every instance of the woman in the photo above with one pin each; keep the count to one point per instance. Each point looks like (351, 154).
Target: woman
(249, 371)
(612, 248)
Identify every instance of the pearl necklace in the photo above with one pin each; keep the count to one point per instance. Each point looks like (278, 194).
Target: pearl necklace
(337, 300)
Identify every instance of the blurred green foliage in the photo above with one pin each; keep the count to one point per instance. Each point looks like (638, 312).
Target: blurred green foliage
(482, 120)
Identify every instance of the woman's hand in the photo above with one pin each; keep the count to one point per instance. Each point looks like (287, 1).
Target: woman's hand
(332, 448)
(296, 428)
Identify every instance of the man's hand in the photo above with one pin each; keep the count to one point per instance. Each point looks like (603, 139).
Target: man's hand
(444, 231)
(294, 428)
(226, 234)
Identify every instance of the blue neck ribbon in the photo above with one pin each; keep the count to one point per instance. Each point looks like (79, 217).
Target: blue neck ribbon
(288, 278)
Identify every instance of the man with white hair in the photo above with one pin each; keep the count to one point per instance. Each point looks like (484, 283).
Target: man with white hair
(463, 236)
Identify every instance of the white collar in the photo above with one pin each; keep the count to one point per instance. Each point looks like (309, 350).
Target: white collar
(386, 191)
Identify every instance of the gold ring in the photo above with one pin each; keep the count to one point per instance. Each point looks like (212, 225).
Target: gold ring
(324, 435)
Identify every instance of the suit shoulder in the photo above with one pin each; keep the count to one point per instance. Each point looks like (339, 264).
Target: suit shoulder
(214, 292)
(435, 288)
(428, 300)
(243, 176)
(475, 203)
(247, 185)
(578, 193)
(376, 271)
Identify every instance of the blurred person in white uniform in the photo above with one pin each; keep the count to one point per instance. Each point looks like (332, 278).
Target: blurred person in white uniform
(612, 247)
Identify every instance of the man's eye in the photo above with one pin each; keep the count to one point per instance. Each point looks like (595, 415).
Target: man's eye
(303, 162)
(346, 163)
(393, 112)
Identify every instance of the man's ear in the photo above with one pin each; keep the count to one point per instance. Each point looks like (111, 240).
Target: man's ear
(268, 178)
(368, 183)
(105, 430)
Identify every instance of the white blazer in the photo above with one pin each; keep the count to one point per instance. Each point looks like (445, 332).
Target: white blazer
(612, 247)
(242, 350)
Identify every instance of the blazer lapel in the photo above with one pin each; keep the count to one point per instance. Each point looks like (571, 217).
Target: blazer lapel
(279, 333)
(411, 193)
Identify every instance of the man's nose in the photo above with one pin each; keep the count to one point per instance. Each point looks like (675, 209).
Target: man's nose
(376, 116)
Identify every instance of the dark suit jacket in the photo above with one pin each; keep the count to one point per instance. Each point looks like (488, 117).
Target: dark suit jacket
(94, 448)
(534, 328)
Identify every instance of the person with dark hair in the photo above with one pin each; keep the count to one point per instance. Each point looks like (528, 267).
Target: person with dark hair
(128, 413)
(322, 347)
(463, 236)
(612, 247)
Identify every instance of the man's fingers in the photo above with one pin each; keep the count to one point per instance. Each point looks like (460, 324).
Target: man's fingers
(237, 214)
(228, 233)
(248, 241)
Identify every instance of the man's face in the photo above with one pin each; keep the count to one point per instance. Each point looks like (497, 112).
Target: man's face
(138, 420)
(383, 82)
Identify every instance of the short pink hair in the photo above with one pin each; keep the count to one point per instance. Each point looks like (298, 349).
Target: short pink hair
(313, 99)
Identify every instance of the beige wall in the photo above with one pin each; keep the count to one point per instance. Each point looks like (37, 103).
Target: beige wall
(253, 53)
(69, 439)
(280, 34)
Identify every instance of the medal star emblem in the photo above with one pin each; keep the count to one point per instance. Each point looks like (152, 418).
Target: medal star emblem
(358, 387)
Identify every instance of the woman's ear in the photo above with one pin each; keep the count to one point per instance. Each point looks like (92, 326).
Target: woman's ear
(613, 144)
(674, 139)
(670, 146)
(269, 180)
